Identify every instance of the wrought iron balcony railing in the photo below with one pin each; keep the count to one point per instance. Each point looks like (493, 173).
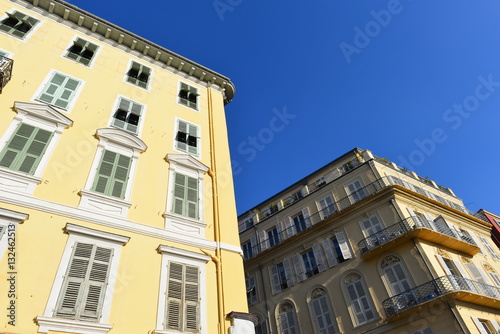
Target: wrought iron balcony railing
(435, 288)
(5, 71)
(405, 226)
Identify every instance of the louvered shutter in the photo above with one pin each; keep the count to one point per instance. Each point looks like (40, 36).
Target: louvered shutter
(17, 24)
(192, 299)
(112, 174)
(397, 279)
(128, 115)
(174, 296)
(85, 282)
(264, 240)
(299, 267)
(290, 227)
(479, 325)
(192, 139)
(138, 74)
(279, 228)
(355, 304)
(319, 257)
(182, 136)
(323, 316)
(121, 176)
(188, 96)
(290, 281)
(307, 217)
(275, 278)
(185, 196)
(344, 247)
(25, 149)
(192, 197)
(331, 257)
(283, 323)
(59, 90)
(327, 207)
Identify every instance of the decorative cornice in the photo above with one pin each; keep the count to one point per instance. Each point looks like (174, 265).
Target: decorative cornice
(13, 215)
(135, 43)
(186, 160)
(169, 250)
(122, 137)
(43, 111)
(73, 228)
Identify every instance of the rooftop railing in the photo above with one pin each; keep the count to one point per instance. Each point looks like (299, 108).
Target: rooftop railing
(5, 71)
(405, 226)
(433, 289)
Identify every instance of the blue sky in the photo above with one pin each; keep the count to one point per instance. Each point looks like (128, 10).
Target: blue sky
(414, 81)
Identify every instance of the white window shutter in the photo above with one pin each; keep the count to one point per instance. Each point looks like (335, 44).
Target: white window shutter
(307, 216)
(344, 247)
(253, 243)
(331, 257)
(290, 281)
(443, 265)
(319, 257)
(299, 267)
(174, 297)
(290, 227)
(264, 240)
(479, 325)
(495, 325)
(279, 228)
(275, 279)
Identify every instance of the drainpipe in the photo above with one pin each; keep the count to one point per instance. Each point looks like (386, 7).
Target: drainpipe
(217, 258)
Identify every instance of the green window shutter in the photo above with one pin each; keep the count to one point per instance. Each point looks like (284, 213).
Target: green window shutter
(138, 74)
(185, 196)
(112, 174)
(84, 285)
(187, 137)
(25, 149)
(128, 115)
(59, 90)
(183, 298)
(17, 24)
(182, 137)
(193, 139)
(188, 96)
(82, 51)
(179, 193)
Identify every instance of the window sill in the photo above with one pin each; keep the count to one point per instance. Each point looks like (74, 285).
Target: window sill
(185, 225)
(103, 204)
(15, 181)
(72, 326)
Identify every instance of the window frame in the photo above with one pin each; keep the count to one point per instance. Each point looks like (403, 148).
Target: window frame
(330, 311)
(251, 287)
(360, 192)
(326, 210)
(116, 107)
(42, 89)
(172, 254)
(198, 138)
(127, 76)
(349, 301)
(28, 33)
(289, 314)
(77, 233)
(73, 42)
(179, 98)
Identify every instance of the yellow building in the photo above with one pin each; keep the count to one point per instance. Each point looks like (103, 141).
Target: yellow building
(364, 246)
(117, 210)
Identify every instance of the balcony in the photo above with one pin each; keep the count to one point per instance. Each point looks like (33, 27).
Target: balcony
(455, 287)
(434, 231)
(5, 71)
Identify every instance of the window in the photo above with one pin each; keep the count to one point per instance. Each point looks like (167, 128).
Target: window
(84, 283)
(138, 75)
(108, 187)
(182, 295)
(486, 326)
(17, 24)
(360, 303)
(128, 115)
(29, 142)
(188, 96)
(309, 263)
(81, 51)
(395, 275)
(24, 150)
(336, 249)
(371, 225)
(287, 319)
(356, 191)
(112, 174)
(59, 90)
(326, 207)
(273, 236)
(251, 286)
(323, 317)
(248, 248)
(261, 327)
(299, 222)
(281, 276)
(84, 287)
(185, 200)
(494, 276)
(187, 138)
(457, 272)
(488, 247)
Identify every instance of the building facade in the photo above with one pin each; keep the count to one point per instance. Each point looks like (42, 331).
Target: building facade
(117, 210)
(494, 220)
(364, 246)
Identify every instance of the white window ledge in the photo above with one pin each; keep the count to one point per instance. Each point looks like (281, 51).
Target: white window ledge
(15, 181)
(104, 204)
(185, 225)
(72, 326)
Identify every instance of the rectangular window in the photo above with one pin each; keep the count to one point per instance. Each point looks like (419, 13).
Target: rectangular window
(185, 196)
(356, 191)
(281, 276)
(187, 138)
(360, 304)
(188, 96)
(81, 51)
(128, 115)
(183, 298)
(59, 90)
(138, 75)
(310, 264)
(327, 207)
(251, 290)
(112, 174)
(273, 237)
(299, 222)
(247, 250)
(17, 24)
(25, 149)
(488, 247)
(84, 286)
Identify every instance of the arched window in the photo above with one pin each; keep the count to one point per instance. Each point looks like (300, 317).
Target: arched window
(395, 274)
(323, 316)
(261, 327)
(360, 302)
(287, 319)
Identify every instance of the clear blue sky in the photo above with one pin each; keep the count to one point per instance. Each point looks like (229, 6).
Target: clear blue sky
(416, 82)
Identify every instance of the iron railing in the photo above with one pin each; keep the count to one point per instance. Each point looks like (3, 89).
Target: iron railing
(433, 289)
(403, 227)
(6, 65)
